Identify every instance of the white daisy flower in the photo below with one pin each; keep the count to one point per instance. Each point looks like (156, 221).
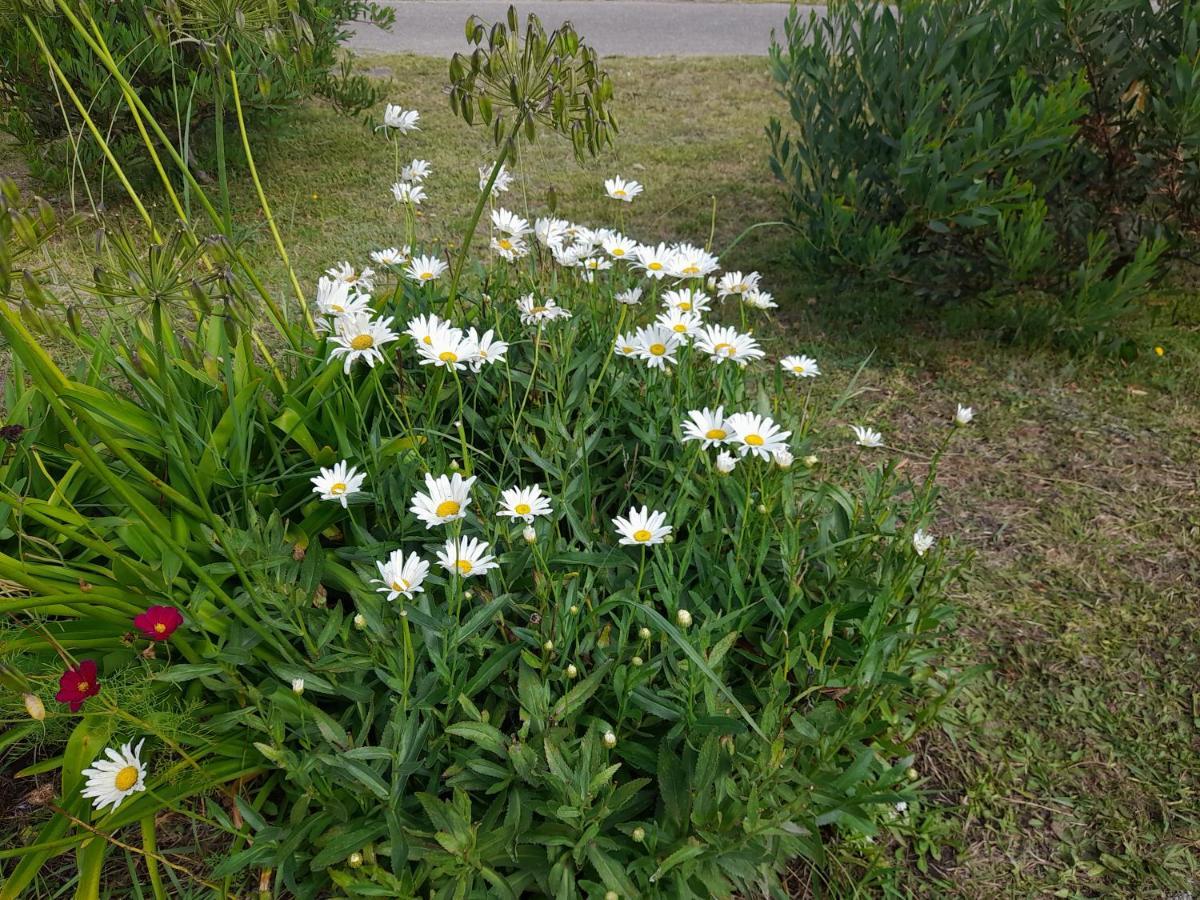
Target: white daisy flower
(963, 415)
(657, 345)
(642, 527)
(801, 366)
(684, 324)
(297, 686)
(726, 462)
(448, 348)
(358, 336)
(735, 283)
(445, 499)
(550, 232)
(618, 246)
(391, 256)
(339, 483)
(509, 248)
(108, 782)
(866, 437)
(524, 503)
(466, 557)
(487, 348)
(360, 282)
(722, 342)
(334, 298)
(631, 297)
(686, 300)
(620, 189)
(400, 120)
(425, 268)
(597, 264)
(783, 458)
(922, 541)
(416, 171)
(707, 426)
(757, 434)
(401, 576)
(503, 179)
(509, 223)
(422, 328)
(654, 261)
(759, 299)
(569, 256)
(692, 262)
(626, 345)
(405, 192)
(534, 311)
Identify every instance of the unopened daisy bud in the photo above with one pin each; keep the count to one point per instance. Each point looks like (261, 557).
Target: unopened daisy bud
(912, 774)
(639, 834)
(572, 671)
(811, 460)
(574, 610)
(669, 539)
(610, 740)
(548, 646)
(297, 685)
(784, 458)
(360, 621)
(637, 661)
(529, 534)
(355, 860)
(454, 462)
(35, 707)
(644, 633)
(684, 618)
(612, 895)
(404, 613)
(469, 595)
(762, 509)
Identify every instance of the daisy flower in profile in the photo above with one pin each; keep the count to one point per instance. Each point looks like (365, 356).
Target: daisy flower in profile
(360, 282)
(400, 575)
(684, 324)
(654, 261)
(657, 345)
(735, 283)
(509, 223)
(691, 262)
(422, 328)
(707, 426)
(759, 299)
(726, 462)
(597, 264)
(963, 415)
(339, 483)
(757, 434)
(550, 232)
(801, 366)
(448, 348)
(569, 257)
(335, 299)
(534, 311)
(866, 437)
(620, 189)
(466, 556)
(391, 256)
(358, 336)
(722, 342)
(108, 782)
(631, 297)
(783, 458)
(618, 246)
(487, 348)
(425, 268)
(642, 527)
(687, 300)
(503, 179)
(401, 120)
(524, 503)
(922, 541)
(626, 345)
(405, 192)
(446, 498)
(416, 171)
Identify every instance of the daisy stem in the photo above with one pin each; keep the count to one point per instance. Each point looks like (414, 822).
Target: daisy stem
(462, 434)
(612, 347)
(150, 851)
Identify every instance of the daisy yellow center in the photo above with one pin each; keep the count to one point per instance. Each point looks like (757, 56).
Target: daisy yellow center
(655, 267)
(425, 276)
(538, 310)
(658, 349)
(716, 434)
(523, 509)
(617, 251)
(618, 193)
(685, 306)
(160, 628)
(691, 270)
(400, 585)
(448, 508)
(798, 369)
(447, 356)
(338, 308)
(427, 340)
(505, 244)
(641, 535)
(337, 488)
(126, 778)
(754, 440)
(464, 566)
(362, 342)
(727, 349)
(679, 327)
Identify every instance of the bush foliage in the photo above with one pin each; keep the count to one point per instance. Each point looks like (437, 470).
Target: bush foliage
(976, 146)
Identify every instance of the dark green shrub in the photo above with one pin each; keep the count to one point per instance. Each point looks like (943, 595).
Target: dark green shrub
(972, 146)
(175, 56)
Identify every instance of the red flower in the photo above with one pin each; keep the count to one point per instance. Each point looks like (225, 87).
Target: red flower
(76, 685)
(158, 622)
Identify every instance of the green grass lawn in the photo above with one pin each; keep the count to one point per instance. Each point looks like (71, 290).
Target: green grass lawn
(1071, 766)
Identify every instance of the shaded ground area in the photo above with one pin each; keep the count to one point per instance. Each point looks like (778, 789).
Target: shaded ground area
(1070, 766)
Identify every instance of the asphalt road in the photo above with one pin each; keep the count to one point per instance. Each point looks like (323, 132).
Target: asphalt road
(613, 27)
